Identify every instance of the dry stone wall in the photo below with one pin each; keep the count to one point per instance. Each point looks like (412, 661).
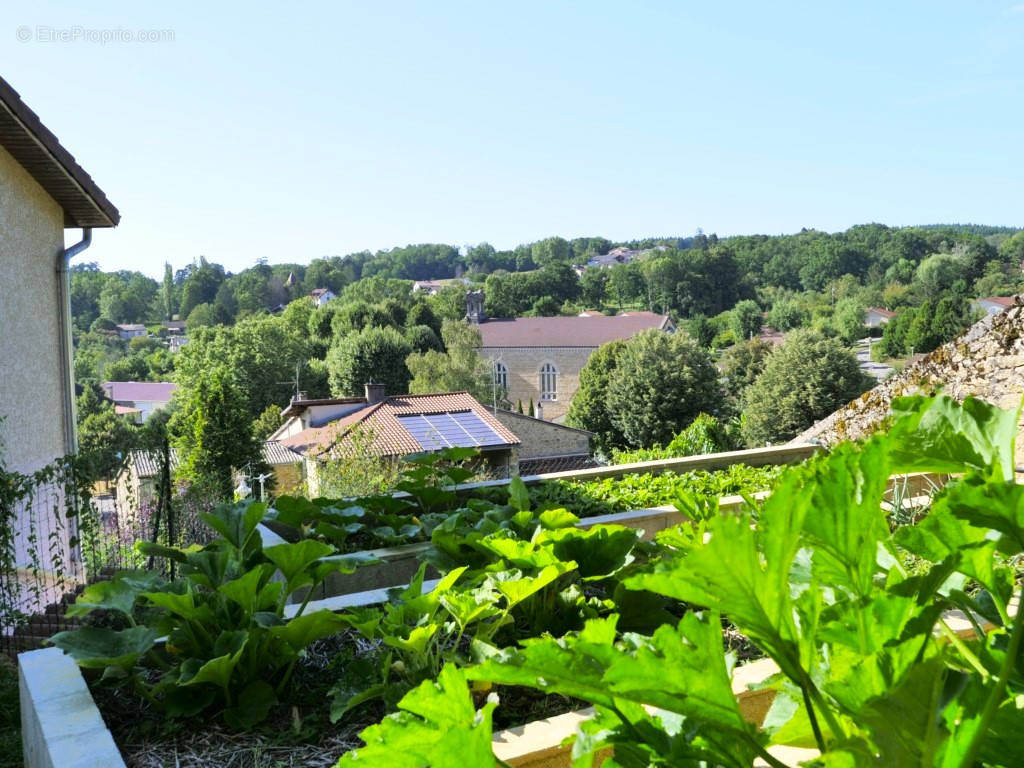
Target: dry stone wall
(987, 361)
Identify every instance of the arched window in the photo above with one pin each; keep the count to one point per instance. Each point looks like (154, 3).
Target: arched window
(501, 376)
(548, 382)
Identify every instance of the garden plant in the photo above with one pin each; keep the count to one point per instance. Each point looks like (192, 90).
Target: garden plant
(869, 670)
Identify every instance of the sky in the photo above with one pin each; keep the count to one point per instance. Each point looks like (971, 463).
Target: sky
(287, 132)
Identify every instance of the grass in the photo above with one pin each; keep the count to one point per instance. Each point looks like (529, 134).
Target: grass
(10, 716)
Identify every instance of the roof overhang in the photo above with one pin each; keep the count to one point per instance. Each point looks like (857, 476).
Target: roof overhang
(37, 150)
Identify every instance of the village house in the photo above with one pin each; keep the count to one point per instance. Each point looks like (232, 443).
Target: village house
(391, 427)
(136, 482)
(138, 398)
(431, 287)
(396, 426)
(539, 359)
(875, 317)
(992, 305)
(127, 331)
(43, 192)
(321, 296)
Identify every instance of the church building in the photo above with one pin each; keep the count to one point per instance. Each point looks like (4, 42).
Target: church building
(540, 358)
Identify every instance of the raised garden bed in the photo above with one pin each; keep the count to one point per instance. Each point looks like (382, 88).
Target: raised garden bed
(399, 564)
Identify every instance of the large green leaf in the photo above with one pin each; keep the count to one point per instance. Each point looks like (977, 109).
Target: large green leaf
(294, 510)
(942, 535)
(728, 575)
(254, 703)
(216, 671)
(937, 434)
(681, 669)
(236, 522)
(113, 595)
(293, 559)
(437, 727)
(183, 605)
(599, 551)
(518, 495)
(846, 522)
(516, 588)
(98, 647)
(905, 719)
(995, 505)
(303, 630)
(245, 589)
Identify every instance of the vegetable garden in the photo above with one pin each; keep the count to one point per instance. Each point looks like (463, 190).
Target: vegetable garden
(533, 614)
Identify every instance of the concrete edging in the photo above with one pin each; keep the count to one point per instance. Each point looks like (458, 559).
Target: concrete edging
(61, 726)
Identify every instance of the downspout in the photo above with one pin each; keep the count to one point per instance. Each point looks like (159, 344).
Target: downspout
(68, 368)
(66, 349)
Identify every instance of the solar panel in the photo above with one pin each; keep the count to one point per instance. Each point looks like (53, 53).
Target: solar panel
(464, 429)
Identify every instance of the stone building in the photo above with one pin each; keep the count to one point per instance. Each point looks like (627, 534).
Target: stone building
(546, 446)
(987, 362)
(540, 358)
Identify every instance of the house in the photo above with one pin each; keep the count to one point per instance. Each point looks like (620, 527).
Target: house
(875, 317)
(392, 427)
(128, 331)
(540, 358)
(175, 343)
(174, 327)
(136, 482)
(139, 398)
(545, 446)
(43, 191)
(431, 287)
(321, 296)
(993, 305)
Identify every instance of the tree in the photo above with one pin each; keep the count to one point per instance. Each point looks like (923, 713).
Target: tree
(594, 287)
(545, 306)
(104, 437)
(746, 319)
(201, 316)
(700, 329)
(741, 364)
(167, 293)
(423, 339)
(374, 354)
(267, 422)
(213, 434)
(260, 352)
(200, 285)
(949, 320)
(938, 272)
(804, 380)
(660, 383)
(848, 320)
(920, 337)
(459, 368)
(129, 368)
(786, 314)
(589, 407)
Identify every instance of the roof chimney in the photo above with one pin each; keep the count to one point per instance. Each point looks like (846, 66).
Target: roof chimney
(375, 393)
(475, 307)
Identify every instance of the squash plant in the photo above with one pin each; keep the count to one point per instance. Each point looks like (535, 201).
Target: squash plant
(870, 673)
(230, 646)
(523, 587)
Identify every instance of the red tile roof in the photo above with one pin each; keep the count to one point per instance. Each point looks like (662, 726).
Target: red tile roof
(1003, 301)
(381, 425)
(589, 331)
(881, 311)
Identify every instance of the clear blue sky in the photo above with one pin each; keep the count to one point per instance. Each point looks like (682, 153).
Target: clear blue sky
(296, 131)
